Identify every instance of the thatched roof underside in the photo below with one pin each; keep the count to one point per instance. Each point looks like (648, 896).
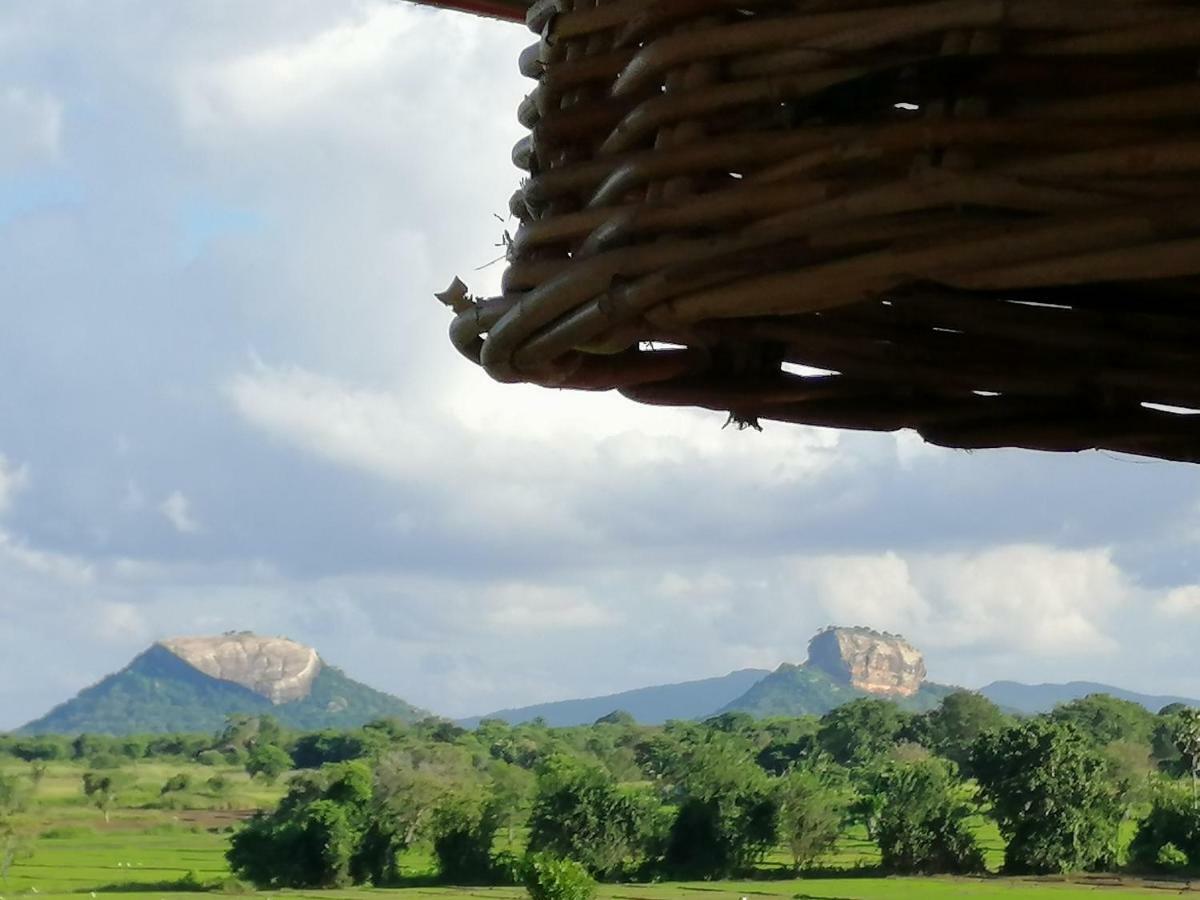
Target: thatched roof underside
(976, 219)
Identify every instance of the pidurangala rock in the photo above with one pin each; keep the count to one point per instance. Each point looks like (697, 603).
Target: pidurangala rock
(872, 661)
(276, 668)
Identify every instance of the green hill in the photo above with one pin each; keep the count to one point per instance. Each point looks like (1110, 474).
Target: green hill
(159, 692)
(649, 705)
(806, 690)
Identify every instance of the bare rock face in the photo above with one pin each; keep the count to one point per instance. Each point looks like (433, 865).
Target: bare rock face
(872, 661)
(275, 668)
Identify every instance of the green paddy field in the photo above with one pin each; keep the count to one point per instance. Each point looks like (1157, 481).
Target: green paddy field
(148, 852)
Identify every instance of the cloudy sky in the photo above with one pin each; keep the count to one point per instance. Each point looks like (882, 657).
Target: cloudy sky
(227, 402)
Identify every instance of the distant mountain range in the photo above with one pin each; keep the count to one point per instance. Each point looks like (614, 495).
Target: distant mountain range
(193, 684)
(649, 705)
(160, 691)
(1038, 698)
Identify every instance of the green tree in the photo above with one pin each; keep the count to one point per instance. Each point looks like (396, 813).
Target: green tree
(811, 812)
(512, 788)
(104, 789)
(728, 816)
(959, 720)
(922, 826)
(315, 837)
(1051, 796)
(581, 813)
(861, 731)
(37, 774)
(13, 843)
(1105, 719)
(1186, 735)
(267, 761)
(464, 829)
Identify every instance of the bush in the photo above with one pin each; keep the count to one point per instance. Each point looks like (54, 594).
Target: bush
(210, 758)
(1170, 858)
(1173, 822)
(549, 878)
(176, 783)
(67, 833)
(922, 826)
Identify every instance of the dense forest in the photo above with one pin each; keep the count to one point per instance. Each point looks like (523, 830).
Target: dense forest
(1097, 784)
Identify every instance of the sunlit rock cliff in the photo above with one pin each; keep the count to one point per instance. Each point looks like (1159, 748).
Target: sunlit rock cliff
(276, 668)
(872, 661)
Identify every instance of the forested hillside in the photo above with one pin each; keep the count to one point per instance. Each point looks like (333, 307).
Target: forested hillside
(160, 693)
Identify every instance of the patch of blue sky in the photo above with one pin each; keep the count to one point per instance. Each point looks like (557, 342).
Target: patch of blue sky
(204, 221)
(26, 194)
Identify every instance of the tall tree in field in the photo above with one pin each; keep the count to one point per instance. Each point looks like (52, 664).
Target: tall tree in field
(1187, 740)
(952, 728)
(728, 817)
(104, 789)
(580, 812)
(811, 810)
(861, 731)
(13, 843)
(1051, 795)
(922, 825)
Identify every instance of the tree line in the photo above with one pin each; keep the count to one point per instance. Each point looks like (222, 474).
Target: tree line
(558, 807)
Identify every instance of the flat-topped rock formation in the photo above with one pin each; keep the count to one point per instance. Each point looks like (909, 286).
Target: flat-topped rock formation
(872, 661)
(275, 668)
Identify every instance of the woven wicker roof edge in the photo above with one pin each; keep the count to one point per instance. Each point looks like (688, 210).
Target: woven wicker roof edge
(511, 10)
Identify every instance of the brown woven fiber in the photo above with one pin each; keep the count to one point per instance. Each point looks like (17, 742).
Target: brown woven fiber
(979, 219)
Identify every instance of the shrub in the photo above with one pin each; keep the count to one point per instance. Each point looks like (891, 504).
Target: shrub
(548, 878)
(67, 833)
(176, 783)
(1174, 822)
(210, 758)
(1170, 858)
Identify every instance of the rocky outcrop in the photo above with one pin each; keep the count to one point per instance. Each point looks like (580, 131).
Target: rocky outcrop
(275, 668)
(872, 661)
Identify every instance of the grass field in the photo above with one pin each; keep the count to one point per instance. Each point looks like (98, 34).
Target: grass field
(149, 852)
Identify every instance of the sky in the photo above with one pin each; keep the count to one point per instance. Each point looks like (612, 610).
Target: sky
(227, 401)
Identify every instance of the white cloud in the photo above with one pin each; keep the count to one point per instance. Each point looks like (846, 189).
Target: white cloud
(302, 76)
(121, 622)
(177, 510)
(59, 568)
(532, 607)
(30, 127)
(1182, 602)
(1033, 599)
(13, 479)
